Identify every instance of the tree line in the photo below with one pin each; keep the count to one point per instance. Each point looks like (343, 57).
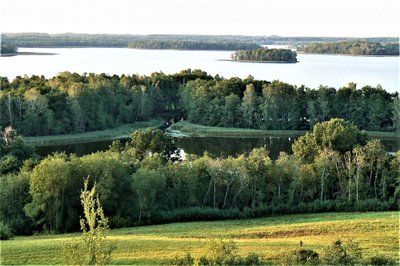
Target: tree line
(73, 103)
(122, 40)
(333, 168)
(280, 106)
(192, 45)
(351, 48)
(8, 49)
(267, 55)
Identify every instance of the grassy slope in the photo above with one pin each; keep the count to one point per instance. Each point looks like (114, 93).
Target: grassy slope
(377, 233)
(109, 134)
(190, 129)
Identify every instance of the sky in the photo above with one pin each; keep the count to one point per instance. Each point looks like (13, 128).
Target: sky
(336, 18)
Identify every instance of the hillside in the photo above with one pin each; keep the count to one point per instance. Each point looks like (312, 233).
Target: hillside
(377, 234)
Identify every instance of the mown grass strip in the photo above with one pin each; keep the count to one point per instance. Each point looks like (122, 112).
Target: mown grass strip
(102, 135)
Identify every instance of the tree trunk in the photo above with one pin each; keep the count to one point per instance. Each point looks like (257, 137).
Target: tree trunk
(376, 182)
(9, 110)
(208, 190)
(214, 196)
(237, 194)
(226, 194)
(279, 187)
(322, 185)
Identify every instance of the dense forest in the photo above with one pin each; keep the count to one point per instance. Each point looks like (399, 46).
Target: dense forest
(192, 45)
(265, 55)
(73, 103)
(123, 40)
(351, 48)
(8, 49)
(280, 106)
(333, 168)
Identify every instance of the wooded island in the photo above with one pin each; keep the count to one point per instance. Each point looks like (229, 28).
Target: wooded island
(265, 55)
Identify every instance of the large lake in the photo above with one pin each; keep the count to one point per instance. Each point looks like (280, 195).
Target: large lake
(311, 71)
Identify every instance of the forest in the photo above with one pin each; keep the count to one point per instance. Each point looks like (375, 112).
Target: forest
(73, 103)
(123, 40)
(192, 45)
(351, 48)
(265, 55)
(8, 49)
(333, 168)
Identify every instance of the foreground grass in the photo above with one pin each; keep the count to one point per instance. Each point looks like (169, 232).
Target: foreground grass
(102, 135)
(377, 233)
(185, 128)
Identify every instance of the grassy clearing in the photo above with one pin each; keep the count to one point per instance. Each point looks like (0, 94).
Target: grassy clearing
(102, 135)
(189, 129)
(185, 128)
(377, 233)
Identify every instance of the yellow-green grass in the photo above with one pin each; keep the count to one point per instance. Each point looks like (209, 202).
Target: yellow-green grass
(186, 128)
(102, 135)
(377, 233)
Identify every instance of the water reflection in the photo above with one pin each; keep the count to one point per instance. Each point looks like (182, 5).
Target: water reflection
(215, 146)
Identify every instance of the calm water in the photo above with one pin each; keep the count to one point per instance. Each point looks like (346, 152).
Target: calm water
(215, 146)
(312, 70)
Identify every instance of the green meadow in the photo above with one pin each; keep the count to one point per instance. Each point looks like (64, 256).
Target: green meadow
(270, 237)
(120, 132)
(189, 129)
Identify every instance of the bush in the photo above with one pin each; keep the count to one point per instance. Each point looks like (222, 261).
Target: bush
(301, 257)
(380, 260)
(250, 259)
(219, 252)
(187, 259)
(372, 205)
(5, 232)
(342, 254)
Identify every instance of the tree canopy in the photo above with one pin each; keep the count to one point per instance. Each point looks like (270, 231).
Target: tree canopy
(351, 48)
(265, 55)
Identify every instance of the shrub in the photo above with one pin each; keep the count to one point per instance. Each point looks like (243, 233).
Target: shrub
(342, 254)
(380, 260)
(251, 259)
(93, 250)
(219, 252)
(300, 257)
(187, 259)
(5, 232)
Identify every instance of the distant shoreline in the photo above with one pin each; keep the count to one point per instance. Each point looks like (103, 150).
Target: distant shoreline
(254, 61)
(367, 55)
(26, 53)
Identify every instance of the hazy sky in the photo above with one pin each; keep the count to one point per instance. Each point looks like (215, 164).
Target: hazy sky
(360, 18)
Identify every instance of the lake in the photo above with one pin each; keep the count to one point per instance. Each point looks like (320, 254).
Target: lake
(311, 71)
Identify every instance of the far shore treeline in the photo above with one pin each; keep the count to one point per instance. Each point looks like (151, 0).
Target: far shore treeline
(74, 103)
(192, 45)
(351, 48)
(123, 40)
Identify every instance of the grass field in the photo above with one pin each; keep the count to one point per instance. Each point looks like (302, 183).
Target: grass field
(185, 128)
(377, 233)
(109, 134)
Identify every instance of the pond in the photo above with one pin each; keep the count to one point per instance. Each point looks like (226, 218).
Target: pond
(215, 146)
